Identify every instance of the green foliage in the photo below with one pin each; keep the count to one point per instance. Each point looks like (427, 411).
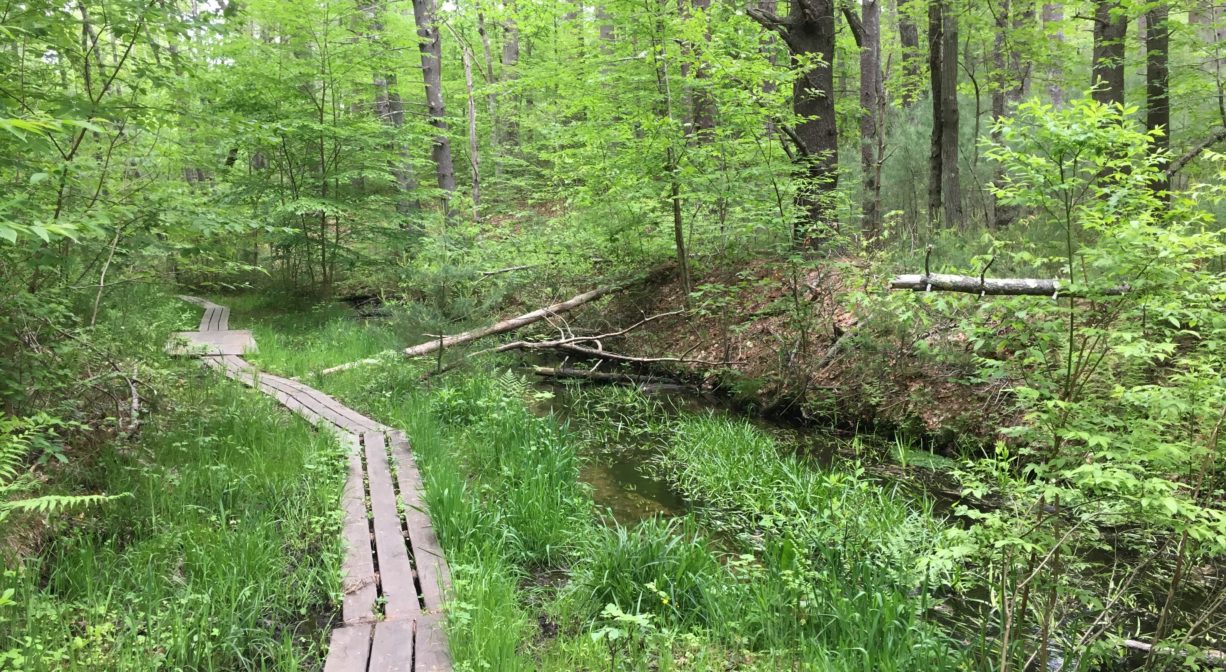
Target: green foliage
(225, 552)
(1120, 395)
(20, 438)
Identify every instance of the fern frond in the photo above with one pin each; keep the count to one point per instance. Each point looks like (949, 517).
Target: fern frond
(54, 503)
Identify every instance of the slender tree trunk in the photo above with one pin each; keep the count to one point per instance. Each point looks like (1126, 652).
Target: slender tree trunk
(390, 110)
(770, 47)
(951, 189)
(671, 166)
(1157, 84)
(431, 65)
(935, 45)
(510, 68)
(491, 99)
(1053, 15)
(1010, 81)
(702, 107)
(1110, 29)
(912, 67)
(1206, 15)
(809, 31)
(867, 32)
(474, 146)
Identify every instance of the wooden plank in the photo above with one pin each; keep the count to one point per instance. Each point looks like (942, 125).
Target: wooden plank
(431, 652)
(432, 570)
(392, 650)
(321, 402)
(359, 582)
(357, 420)
(349, 649)
(395, 570)
(331, 412)
(223, 320)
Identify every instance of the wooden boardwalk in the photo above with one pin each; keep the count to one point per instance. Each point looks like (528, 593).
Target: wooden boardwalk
(396, 577)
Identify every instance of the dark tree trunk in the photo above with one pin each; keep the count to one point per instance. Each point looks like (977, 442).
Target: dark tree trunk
(808, 31)
(938, 124)
(1110, 29)
(944, 182)
(951, 188)
(912, 68)
(867, 33)
(1011, 80)
(1157, 80)
(431, 65)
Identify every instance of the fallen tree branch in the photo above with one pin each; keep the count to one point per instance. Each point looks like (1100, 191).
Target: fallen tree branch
(1179, 164)
(970, 284)
(513, 323)
(1214, 658)
(509, 269)
(352, 365)
(627, 378)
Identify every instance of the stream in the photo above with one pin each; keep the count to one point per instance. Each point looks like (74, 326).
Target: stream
(624, 431)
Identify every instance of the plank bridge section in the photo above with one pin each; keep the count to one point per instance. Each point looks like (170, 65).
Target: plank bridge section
(395, 575)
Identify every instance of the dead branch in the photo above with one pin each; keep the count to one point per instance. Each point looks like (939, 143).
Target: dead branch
(509, 269)
(1179, 164)
(1211, 657)
(626, 378)
(982, 286)
(513, 323)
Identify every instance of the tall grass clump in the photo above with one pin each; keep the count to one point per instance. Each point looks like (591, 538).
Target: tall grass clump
(226, 555)
(829, 569)
(660, 567)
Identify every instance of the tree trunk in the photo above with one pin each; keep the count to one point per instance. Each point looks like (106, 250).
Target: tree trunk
(390, 110)
(951, 187)
(431, 65)
(1157, 80)
(970, 284)
(935, 44)
(908, 36)
(867, 32)
(1206, 16)
(512, 323)
(809, 32)
(1010, 82)
(510, 67)
(1053, 14)
(1110, 29)
(491, 99)
(474, 145)
(702, 107)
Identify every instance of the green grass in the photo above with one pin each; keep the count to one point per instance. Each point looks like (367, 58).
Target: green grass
(224, 553)
(297, 337)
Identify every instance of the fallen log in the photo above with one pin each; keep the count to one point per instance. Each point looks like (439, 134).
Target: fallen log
(605, 377)
(513, 323)
(970, 284)
(1209, 656)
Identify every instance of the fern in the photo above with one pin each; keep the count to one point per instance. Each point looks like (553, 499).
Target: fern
(18, 436)
(510, 384)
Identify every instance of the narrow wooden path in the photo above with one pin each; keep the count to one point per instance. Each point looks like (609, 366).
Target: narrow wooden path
(396, 577)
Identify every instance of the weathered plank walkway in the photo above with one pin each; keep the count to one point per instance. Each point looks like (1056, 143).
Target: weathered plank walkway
(396, 577)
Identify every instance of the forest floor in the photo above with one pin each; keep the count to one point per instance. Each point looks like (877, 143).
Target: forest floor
(807, 346)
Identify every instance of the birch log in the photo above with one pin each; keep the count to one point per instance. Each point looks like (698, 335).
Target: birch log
(971, 284)
(513, 323)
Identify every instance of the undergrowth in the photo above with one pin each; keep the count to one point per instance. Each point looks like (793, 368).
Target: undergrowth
(222, 551)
